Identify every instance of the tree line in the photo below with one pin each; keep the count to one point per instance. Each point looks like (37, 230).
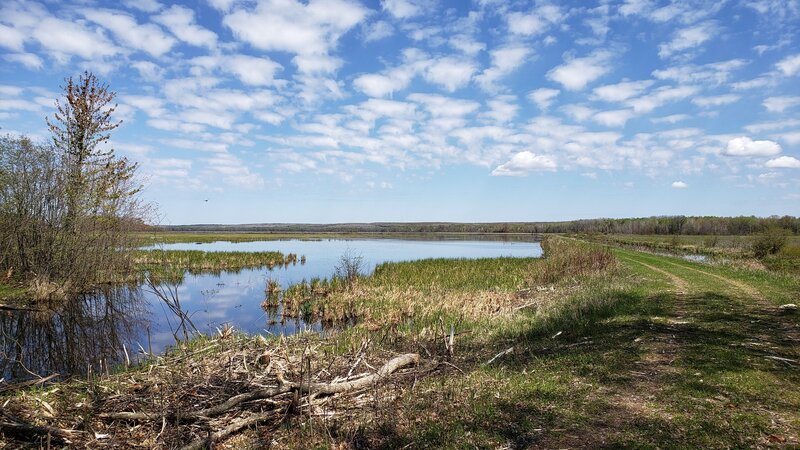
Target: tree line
(661, 225)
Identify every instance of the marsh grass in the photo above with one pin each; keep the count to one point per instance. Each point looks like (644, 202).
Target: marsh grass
(196, 261)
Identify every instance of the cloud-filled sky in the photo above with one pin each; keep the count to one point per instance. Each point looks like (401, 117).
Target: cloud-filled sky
(412, 110)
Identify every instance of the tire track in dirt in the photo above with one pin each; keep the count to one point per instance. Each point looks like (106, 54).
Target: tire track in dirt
(681, 285)
(744, 287)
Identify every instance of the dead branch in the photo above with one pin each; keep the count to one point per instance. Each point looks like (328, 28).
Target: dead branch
(28, 431)
(305, 388)
(28, 383)
(230, 429)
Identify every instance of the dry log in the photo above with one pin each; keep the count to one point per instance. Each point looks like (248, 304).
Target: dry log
(335, 388)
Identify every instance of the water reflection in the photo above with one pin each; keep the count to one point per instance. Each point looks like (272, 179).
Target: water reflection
(91, 333)
(83, 335)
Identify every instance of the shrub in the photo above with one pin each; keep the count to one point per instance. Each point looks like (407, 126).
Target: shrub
(568, 258)
(770, 242)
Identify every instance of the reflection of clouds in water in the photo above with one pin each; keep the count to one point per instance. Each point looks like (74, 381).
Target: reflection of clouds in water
(235, 298)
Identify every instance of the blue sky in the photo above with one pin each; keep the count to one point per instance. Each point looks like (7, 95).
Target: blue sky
(412, 110)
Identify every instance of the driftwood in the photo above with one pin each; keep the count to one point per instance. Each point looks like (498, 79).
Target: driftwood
(336, 388)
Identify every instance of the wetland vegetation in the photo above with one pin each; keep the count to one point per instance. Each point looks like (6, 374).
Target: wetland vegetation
(593, 345)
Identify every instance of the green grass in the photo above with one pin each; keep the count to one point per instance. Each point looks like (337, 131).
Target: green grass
(12, 292)
(199, 261)
(636, 366)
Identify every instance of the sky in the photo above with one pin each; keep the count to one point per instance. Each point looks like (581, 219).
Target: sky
(326, 111)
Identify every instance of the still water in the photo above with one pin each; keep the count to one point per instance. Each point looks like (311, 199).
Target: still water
(90, 334)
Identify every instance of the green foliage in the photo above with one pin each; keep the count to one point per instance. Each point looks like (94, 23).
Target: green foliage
(770, 242)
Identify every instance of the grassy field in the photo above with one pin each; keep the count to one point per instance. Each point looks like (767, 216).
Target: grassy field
(588, 348)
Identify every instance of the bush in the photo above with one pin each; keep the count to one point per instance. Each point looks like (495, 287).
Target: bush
(770, 242)
(568, 258)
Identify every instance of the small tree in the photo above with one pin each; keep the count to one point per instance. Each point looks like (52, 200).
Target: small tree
(770, 241)
(96, 179)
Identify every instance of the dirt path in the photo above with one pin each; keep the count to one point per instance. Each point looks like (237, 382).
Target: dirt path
(745, 288)
(681, 286)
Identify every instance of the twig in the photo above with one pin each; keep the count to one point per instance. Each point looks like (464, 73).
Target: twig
(504, 352)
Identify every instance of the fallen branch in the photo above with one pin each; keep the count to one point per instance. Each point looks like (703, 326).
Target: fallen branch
(317, 388)
(28, 431)
(229, 430)
(28, 383)
(335, 388)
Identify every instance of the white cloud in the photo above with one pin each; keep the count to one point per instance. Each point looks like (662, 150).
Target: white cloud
(784, 162)
(29, 60)
(523, 163)
(504, 61)
(251, 70)
(744, 146)
(621, 91)
(578, 112)
(466, 44)
(543, 97)
(148, 38)
(222, 5)
(63, 39)
(718, 100)
(526, 24)
(180, 21)
(402, 9)
(441, 106)
(149, 6)
(671, 119)
(616, 118)
(679, 185)
(688, 38)
(660, 97)
(377, 31)
(780, 104)
(11, 38)
(713, 73)
(576, 73)
(293, 26)
(450, 73)
(148, 70)
(775, 125)
(381, 85)
(502, 109)
(791, 138)
(790, 65)
(535, 22)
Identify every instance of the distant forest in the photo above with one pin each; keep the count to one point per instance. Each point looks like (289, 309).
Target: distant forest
(670, 225)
